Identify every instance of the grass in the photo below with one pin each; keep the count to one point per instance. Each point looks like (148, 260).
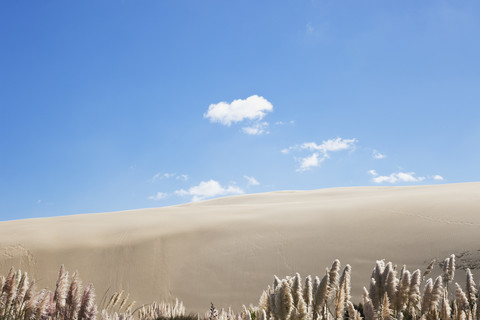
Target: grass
(393, 293)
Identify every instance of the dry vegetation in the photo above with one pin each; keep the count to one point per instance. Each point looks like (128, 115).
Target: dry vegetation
(392, 294)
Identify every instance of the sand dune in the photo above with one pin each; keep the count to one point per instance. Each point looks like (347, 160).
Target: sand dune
(227, 250)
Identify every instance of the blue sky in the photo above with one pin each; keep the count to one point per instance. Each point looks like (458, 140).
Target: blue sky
(116, 105)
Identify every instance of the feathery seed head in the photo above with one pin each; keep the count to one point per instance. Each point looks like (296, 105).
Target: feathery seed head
(321, 294)
(429, 268)
(427, 296)
(437, 292)
(471, 289)
(276, 282)
(308, 291)
(283, 301)
(391, 284)
(333, 275)
(445, 309)
(461, 298)
(297, 293)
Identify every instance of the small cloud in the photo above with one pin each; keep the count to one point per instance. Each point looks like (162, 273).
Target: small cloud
(251, 108)
(316, 31)
(156, 177)
(320, 151)
(183, 177)
(378, 155)
(282, 123)
(39, 201)
(309, 162)
(208, 189)
(438, 177)
(251, 181)
(160, 176)
(256, 129)
(336, 144)
(395, 177)
(309, 29)
(158, 196)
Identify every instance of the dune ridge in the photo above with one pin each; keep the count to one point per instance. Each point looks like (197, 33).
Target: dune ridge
(227, 250)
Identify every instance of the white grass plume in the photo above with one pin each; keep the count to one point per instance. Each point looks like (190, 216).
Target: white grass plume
(403, 291)
(437, 292)
(321, 295)
(308, 291)
(283, 301)
(428, 269)
(427, 296)
(297, 293)
(461, 298)
(414, 297)
(471, 288)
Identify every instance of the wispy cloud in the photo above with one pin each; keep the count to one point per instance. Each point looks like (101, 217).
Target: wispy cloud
(167, 175)
(282, 123)
(208, 189)
(336, 144)
(309, 29)
(438, 177)
(251, 181)
(158, 196)
(378, 155)
(320, 151)
(395, 177)
(256, 129)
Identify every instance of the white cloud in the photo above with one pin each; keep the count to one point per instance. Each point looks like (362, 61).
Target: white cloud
(309, 162)
(378, 155)
(156, 177)
(168, 175)
(336, 144)
(320, 152)
(256, 129)
(158, 196)
(208, 189)
(309, 29)
(251, 181)
(251, 108)
(438, 177)
(282, 123)
(183, 177)
(395, 177)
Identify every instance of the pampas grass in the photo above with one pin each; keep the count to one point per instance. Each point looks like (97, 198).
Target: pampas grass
(162, 310)
(392, 294)
(20, 301)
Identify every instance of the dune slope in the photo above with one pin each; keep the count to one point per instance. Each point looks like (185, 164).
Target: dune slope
(227, 250)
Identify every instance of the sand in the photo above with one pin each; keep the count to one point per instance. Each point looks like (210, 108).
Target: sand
(227, 250)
